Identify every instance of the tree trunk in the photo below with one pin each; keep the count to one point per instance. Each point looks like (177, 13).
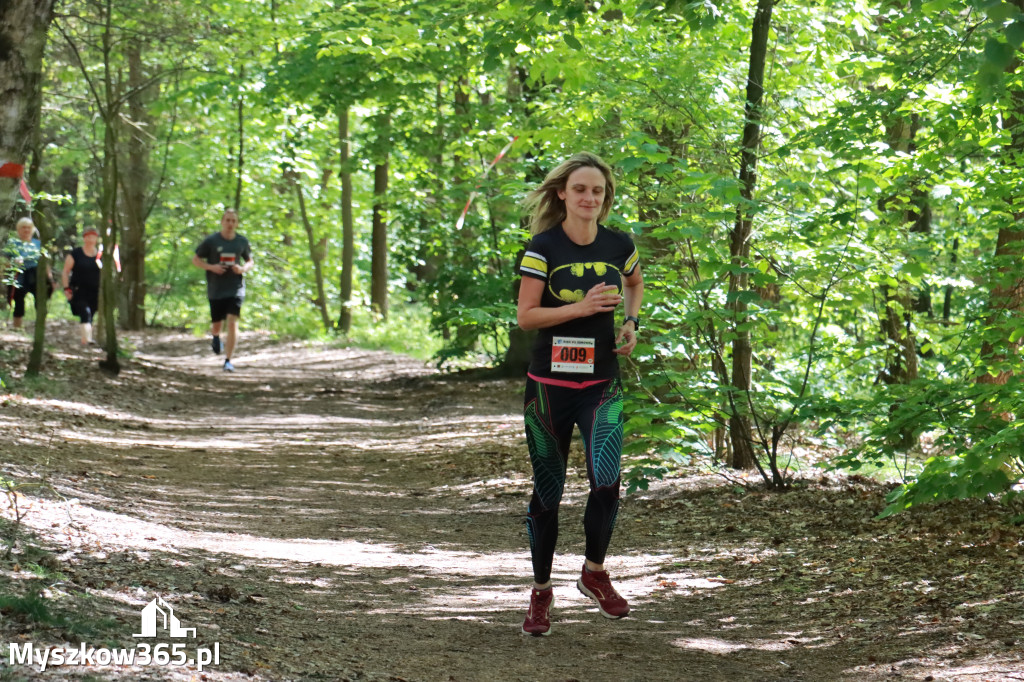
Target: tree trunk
(464, 253)
(317, 252)
(896, 317)
(23, 28)
(1005, 301)
(520, 342)
(1007, 294)
(430, 252)
(947, 297)
(379, 240)
(241, 139)
(35, 358)
(108, 204)
(135, 184)
(41, 298)
(347, 226)
(1007, 290)
(742, 455)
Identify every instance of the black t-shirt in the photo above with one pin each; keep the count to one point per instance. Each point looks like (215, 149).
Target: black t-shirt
(580, 349)
(85, 274)
(216, 250)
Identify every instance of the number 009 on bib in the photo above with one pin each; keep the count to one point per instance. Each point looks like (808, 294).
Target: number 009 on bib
(572, 354)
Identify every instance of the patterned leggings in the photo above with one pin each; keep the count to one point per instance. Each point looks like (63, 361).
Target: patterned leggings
(550, 414)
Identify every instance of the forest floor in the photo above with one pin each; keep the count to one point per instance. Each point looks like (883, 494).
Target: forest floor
(341, 514)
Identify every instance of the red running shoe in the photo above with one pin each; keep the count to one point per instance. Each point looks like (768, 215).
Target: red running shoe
(537, 623)
(598, 586)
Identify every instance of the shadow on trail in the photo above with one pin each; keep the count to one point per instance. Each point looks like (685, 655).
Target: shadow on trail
(343, 514)
(357, 609)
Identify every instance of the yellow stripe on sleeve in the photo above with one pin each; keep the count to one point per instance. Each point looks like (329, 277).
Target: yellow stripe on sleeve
(631, 263)
(535, 264)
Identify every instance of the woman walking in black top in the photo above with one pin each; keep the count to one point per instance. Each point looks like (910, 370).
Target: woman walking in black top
(81, 280)
(576, 273)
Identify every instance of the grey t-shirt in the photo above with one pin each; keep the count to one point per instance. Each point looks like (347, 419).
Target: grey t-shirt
(215, 249)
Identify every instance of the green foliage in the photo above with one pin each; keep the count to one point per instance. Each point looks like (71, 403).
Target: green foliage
(888, 169)
(30, 607)
(977, 449)
(32, 610)
(406, 330)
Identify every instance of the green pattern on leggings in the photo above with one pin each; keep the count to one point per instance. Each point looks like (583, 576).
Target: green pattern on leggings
(548, 466)
(606, 438)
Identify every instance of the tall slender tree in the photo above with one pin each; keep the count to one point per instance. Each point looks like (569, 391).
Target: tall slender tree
(347, 224)
(740, 432)
(42, 292)
(379, 255)
(137, 132)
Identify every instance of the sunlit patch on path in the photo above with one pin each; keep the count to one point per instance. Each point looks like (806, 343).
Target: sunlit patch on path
(333, 513)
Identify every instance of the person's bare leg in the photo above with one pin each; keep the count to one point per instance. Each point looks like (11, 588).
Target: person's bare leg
(230, 336)
(17, 322)
(86, 330)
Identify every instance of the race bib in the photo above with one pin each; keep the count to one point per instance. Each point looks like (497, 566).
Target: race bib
(227, 259)
(572, 354)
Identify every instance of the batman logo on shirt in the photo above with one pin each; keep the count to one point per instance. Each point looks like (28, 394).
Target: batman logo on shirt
(570, 283)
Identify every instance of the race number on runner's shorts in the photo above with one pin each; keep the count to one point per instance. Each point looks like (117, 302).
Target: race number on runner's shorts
(572, 354)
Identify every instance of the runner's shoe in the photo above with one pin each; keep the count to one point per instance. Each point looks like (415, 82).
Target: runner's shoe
(215, 345)
(537, 623)
(598, 586)
(228, 367)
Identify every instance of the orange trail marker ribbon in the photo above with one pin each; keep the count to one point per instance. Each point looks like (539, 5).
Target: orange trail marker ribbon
(9, 169)
(16, 171)
(462, 218)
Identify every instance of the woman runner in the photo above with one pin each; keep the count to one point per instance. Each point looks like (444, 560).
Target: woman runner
(576, 272)
(81, 280)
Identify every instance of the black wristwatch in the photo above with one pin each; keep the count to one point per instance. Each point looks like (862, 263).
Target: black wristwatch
(634, 319)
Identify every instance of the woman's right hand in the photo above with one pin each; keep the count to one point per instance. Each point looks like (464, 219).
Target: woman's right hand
(602, 298)
(68, 293)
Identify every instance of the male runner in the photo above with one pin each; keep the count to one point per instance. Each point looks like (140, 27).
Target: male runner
(226, 257)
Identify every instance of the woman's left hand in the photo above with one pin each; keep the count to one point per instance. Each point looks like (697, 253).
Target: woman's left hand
(627, 339)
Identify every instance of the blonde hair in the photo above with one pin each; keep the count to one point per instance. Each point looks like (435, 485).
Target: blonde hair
(544, 205)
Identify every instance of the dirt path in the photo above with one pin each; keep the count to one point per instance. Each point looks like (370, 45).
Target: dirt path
(345, 514)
